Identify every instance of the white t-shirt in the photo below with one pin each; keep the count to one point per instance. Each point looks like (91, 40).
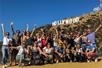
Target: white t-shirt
(55, 44)
(39, 42)
(47, 50)
(20, 50)
(6, 41)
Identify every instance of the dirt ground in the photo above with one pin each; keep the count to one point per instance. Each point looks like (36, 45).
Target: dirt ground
(67, 65)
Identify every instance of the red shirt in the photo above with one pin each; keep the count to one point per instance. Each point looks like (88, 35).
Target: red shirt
(43, 42)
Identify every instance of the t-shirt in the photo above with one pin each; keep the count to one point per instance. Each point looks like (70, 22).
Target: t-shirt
(48, 51)
(43, 42)
(6, 41)
(39, 42)
(20, 50)
(90, 47)
(61, 50)
(91, 37)
(55, 44)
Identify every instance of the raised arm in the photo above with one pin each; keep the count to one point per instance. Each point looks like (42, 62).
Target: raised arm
(27, 29)
(55, 28)
(12, 28)
(98, 28)
(3, 31)
(32, 33)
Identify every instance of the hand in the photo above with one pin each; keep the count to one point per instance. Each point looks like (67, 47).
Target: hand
(46, 55)
(1, 24)
(59, 54)
(11, 23)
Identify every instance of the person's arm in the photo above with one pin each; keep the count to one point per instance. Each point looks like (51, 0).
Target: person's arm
(12, 28)
(13, 47)
(32, 33)
(86, 50)
(23, 37)
(3, 31)
(57, 52)
(42, 52)
(56, 32)
(27, 29)
(98, 28)
(93, 50)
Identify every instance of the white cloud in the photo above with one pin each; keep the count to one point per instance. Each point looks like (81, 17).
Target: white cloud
(96, 9)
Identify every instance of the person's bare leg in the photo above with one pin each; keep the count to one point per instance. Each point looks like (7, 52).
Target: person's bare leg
(10, 60)
(14, 61)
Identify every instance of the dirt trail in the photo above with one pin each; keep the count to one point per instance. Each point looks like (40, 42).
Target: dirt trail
(66, 65)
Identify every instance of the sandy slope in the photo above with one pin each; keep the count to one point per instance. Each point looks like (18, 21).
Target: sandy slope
(66, 65)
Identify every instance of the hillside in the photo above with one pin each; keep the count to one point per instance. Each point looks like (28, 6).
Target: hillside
(91, 20)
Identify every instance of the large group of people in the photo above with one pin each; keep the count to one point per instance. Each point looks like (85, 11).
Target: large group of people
(38, 47)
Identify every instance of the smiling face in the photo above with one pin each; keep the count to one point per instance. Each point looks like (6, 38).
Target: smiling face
(48, 45)
(27, 33)
(35, 44)
(7, 34)
(88, 31)
(89, 42)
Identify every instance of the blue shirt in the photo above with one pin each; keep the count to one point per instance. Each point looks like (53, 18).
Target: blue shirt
(91, 37)
(90, 47)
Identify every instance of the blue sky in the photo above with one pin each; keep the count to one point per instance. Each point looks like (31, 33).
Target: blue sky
(41, 12)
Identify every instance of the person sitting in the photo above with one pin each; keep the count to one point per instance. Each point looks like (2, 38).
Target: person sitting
(68, 55)
(49, 51)
(79, 53)
(37, 54)
(91, 52)
(27, 56)
(59, 54)
(20, 54)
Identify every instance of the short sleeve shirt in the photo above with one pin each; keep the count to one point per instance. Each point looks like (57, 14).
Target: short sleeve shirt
(91, 37)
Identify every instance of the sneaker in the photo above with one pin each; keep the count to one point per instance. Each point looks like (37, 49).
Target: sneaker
(96, 60)
(3, 66)
(88, 61)
(71, 61)
(22, 65)
(57, 62)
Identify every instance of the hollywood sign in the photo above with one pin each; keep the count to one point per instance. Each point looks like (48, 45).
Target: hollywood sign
(66, 21)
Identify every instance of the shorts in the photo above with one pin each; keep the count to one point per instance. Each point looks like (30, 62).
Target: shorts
(19, 57)
(14, 53)
(50, 57)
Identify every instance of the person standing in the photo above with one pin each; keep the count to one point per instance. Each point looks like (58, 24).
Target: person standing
(5, 49)
(16, 39)
(91, 35)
